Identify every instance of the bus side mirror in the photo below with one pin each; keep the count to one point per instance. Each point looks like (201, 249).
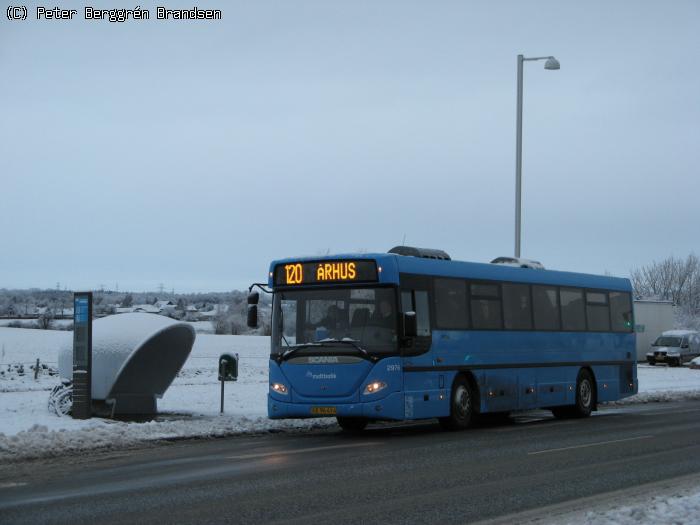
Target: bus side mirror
(253, 297)
(252, 316)
(410, 325)
(684, 345)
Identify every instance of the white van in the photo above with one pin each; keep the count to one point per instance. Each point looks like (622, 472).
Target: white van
(675, 347)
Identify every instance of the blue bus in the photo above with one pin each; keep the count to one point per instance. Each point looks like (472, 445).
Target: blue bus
(411, 334)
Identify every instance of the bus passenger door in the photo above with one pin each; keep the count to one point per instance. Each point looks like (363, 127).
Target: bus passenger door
(421, 388)
(415, 297)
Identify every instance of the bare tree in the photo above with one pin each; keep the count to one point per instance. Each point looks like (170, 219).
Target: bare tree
(45, 319)
(220, 322)
(672, 279)
(128, 301)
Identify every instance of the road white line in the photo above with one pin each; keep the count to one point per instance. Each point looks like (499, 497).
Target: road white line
(589, 445)
(539, 424)
(11, 484)
(666, 412)
(303, 450)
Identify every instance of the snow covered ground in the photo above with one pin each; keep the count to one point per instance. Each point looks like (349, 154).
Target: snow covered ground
(673, 501)
(662, 383)
(190, 407)
(680, 509)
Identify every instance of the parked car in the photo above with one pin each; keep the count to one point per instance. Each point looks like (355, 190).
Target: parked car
(675, 347)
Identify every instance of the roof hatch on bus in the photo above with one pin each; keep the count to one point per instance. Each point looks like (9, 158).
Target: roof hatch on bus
(426, 253)
(518, 262)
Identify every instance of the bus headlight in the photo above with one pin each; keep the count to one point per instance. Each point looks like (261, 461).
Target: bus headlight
(279, 388)
(374, 387)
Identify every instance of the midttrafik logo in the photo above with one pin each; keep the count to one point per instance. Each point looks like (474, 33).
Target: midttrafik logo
(311, 375)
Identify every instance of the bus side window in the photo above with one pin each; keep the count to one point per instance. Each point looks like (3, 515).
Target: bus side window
(486, 307)
(621, 311)
(546, 307)
(417, 301)
(517, 311)
(451, 304)
(598, 311)
(573, 314)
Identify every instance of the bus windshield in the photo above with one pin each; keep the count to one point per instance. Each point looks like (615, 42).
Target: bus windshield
(363, 317)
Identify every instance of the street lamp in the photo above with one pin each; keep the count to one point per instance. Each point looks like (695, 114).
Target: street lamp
(551, 64)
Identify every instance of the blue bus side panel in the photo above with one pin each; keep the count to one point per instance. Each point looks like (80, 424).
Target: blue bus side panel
(527, 388)
(531, 386)
(427, 394)
(556, 386)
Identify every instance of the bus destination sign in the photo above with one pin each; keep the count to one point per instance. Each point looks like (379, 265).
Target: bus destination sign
(321, 272)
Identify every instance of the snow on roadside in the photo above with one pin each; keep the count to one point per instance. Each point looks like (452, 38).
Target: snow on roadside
(680, 508)
(40, 442)
(190, 407)
(660, 383)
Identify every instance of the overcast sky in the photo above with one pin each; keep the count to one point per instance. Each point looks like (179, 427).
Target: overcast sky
(193, 153)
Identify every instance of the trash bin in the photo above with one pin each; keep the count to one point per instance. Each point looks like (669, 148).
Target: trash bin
(228, 367)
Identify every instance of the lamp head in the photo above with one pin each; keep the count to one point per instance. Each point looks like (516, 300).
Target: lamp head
(551, 64)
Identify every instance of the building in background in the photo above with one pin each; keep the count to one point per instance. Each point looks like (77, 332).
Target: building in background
(651, 318)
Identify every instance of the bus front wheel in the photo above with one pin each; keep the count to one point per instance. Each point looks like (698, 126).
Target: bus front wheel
(352, 424)
(461, 406)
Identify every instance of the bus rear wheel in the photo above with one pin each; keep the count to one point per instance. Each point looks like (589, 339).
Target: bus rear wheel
(461, 406)
(352, 425)
(585, 398)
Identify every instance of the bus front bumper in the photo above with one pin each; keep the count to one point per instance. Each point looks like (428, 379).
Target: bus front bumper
(390, 407)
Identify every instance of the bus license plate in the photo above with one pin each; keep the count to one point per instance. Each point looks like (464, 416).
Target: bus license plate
(323, 411)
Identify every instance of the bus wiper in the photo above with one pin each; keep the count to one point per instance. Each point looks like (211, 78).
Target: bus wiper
(293, 349)
(353, 342)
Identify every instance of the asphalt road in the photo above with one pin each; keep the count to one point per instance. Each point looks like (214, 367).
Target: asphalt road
(391, 474)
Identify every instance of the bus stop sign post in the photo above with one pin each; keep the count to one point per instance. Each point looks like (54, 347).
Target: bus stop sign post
(82, 355)
(228, 371)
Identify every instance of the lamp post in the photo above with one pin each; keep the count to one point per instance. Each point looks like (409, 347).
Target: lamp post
(551, 64)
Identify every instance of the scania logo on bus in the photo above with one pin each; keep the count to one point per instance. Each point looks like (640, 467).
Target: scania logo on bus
(323, 359)
(311, 375)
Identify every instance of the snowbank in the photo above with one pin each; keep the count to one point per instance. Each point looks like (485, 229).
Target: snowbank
(675, 501)
(39, 441)
(660, 383)
(678, 509)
